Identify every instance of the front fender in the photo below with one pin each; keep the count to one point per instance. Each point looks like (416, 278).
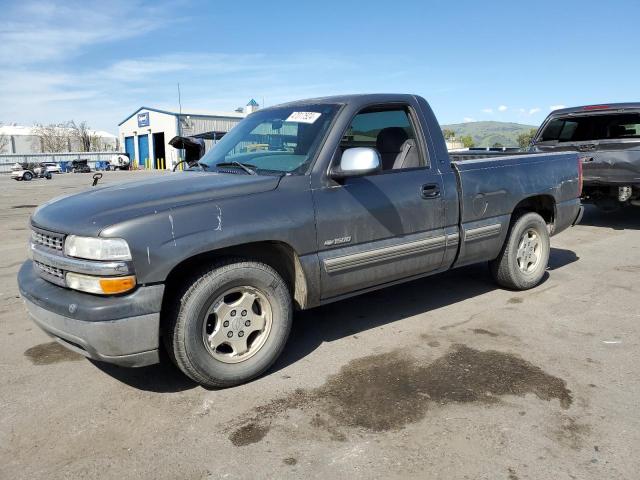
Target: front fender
(163, 239)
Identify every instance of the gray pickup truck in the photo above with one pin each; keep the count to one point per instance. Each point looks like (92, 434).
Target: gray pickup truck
(299, 205)
(608, 136)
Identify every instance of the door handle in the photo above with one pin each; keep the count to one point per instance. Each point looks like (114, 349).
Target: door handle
(430, 190)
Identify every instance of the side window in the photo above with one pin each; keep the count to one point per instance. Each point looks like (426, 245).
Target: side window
(390, 132)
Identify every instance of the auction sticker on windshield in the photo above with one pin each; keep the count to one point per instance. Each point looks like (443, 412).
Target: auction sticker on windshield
(303, 117)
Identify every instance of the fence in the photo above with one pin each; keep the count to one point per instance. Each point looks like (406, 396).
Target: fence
(99, 158)
(158, 164)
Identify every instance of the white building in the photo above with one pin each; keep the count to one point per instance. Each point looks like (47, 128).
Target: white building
(20, 139)
(145, 134)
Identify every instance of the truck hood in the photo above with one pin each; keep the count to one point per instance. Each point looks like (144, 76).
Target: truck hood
(89, 212)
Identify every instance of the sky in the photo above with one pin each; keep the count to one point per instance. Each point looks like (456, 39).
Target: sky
(472, 60)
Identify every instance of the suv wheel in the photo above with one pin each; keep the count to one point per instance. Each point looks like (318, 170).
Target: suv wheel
(525, 254)
(230, 324)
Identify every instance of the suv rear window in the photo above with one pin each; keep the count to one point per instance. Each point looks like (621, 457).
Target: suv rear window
(593, 127)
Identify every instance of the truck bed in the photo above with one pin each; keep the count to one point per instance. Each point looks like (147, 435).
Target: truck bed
(491, 188)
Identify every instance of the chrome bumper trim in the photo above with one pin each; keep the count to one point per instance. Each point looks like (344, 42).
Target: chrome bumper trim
(77, 265)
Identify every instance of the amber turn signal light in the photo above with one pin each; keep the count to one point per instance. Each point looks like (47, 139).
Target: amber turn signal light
(117, 284)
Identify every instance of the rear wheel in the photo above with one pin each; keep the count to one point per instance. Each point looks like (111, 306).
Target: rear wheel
(230, 324)
(525, 254)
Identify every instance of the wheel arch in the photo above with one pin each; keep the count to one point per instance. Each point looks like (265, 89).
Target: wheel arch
(543, 205)
(278, 255)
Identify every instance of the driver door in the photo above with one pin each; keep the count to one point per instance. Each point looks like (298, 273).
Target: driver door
(379, 228)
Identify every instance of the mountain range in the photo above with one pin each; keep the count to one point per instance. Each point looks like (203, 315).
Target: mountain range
(487, 134)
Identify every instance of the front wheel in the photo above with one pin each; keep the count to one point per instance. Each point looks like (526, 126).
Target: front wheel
(230, 324)
(27, 176)
(525, 254)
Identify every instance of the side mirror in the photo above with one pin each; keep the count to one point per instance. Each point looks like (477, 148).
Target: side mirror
(356, 162)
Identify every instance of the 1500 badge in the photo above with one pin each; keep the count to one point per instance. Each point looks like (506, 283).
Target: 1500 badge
(337, 241)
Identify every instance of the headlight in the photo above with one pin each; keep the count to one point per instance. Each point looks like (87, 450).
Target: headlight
(93, 248)
(100, 285)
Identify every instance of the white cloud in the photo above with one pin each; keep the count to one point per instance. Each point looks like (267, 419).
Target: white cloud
(211, 81)
(557, 107)
(57, 72)
(38, 31)
(533, 111)
(503, 108)
(468, 119)
(487, 110)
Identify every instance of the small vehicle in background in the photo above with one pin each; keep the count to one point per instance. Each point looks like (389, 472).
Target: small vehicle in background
(121, 161)
(608, 136)
(80, 166)
(27, 172)
(52, 167)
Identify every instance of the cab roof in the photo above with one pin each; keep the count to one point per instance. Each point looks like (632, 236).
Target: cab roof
(598, 107)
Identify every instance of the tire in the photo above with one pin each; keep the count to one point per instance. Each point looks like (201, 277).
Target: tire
(27, 176)
(205, 309)
(525, 254)
(48, 176)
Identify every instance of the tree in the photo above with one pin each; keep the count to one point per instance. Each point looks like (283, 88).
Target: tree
(448, 134)
(4, 140)
(497, 145)
(52, 138)
(84, 137)
(467, 141)
(525, 138)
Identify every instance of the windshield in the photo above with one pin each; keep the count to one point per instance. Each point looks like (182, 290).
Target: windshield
(282, 140)
(592, 127)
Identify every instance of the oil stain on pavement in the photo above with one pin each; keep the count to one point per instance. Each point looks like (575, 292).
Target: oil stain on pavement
(247, 434)
(388, 391)
(52, 352)
(482, 331)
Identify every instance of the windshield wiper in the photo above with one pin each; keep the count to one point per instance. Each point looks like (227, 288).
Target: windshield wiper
(250, 169)
(202, 165)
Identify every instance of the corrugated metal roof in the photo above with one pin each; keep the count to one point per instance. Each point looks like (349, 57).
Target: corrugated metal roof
(194, 113)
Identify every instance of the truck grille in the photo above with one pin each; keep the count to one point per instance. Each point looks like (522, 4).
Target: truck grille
(48, 239)
(49, 270)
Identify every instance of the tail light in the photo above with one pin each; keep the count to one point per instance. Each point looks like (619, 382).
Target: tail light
(596, 107)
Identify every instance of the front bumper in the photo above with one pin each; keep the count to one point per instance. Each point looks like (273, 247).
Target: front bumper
(124, 330)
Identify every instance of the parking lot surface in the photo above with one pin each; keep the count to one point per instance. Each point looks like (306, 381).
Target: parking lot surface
(446, 377)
